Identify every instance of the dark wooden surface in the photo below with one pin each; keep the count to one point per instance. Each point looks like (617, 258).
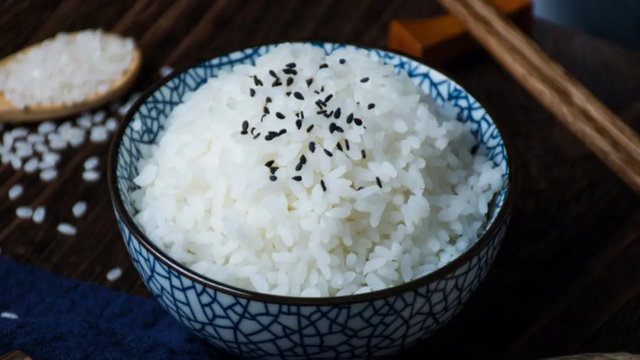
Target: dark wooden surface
(567, 279)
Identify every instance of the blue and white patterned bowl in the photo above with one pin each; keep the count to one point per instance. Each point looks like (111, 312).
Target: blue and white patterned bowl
(255, 325)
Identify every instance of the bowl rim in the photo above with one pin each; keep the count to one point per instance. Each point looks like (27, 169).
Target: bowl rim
(231, 290)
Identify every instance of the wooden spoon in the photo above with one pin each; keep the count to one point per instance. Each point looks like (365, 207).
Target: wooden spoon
(11, 113)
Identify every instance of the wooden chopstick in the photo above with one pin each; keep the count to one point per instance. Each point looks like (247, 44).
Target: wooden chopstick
(599, 128)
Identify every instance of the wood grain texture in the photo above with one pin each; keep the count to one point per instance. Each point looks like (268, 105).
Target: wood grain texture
(599, 128)
(565, 280)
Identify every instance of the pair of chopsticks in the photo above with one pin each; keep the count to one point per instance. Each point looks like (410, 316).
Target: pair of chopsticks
(615, 143)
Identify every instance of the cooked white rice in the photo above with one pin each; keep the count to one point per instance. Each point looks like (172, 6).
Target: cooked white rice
(66, 69)
(332, 223)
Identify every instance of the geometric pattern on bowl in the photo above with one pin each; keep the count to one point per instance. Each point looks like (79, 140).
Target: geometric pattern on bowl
(255, 325)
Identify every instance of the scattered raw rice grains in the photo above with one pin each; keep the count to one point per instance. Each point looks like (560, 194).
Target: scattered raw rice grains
(79, 209)
(66, 229)
(114, 274)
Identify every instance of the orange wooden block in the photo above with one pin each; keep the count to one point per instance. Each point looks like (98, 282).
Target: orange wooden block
(442, 38)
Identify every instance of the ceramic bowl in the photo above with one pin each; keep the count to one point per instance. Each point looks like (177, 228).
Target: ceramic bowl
(255, 325)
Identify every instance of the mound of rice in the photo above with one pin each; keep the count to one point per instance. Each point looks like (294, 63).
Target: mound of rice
(312, 175)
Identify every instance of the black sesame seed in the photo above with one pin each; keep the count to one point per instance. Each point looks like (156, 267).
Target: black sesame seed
(265, 110)
(252, 92)
(332, 128)
(290, 71)
(329, 154)
(364, 154)
(364, 80)
(276, 83)
(256, 136)
(324, 187)
(273, 169)
(342, 61)
(357, 121)
(320, 104)
(269, 163)
(299, 167)
(273, 178)
(360, 188)
(245, 125)
(280, 115)
(328, 98)
(312, 147)
(310, 128)
(298, 96)
(257, 81)
(337, 113)
(324, 66)
(350, 118)
(346, 144)
(309, 82)
(328, 115)
(289, 81)
(244, 132)
(303, 159)
(339, 129)
(301, 114)
(322, 88)
(262, 118)
(371, 106)
(291, 65)
(288, 93)
(273, 73)
(282, 132)
(316, 92)
(321, 112)
(379, 182)
(297, 178)
(474, 149)
(252, 130)
(338, 146)
(270, 136)
(267, 100)
(299, 124)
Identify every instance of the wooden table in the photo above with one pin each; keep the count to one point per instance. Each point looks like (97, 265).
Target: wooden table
(567, 279)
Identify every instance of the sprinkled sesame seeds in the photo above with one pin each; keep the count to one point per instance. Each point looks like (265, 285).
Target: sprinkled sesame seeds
(301, 114)
(288, 93)
(342, 61)
(360, 188)
(329, 153)
(316, 92)
(282, 132)
(273, 170)
(332, 128)
(328, 98)
(324, 66)
(270, 135)
(257, 81)
(337, 113)
(290, 71)
(289, 81)
(256, 136)
(364, 154)
(322, 88)
(252, 92)
(312, 147)
(321, 112)
(309, 82)
(324, 187)
(346, 144)
(273, 178)
(329, 114)
(350, 118)
(297, 178)
(291, 65)
(310, 128)
(371, 106)
(245, 125)
(299, 124)
(339, 129)
(252, 130)
(267, 100)
(265, 110)
(379, 182)
(269, 163)
(273, 73)
(299, 167)
(276, 83)
(358, 121)
(298, 95)
(364, 80)
(280, 115)
(338, 146)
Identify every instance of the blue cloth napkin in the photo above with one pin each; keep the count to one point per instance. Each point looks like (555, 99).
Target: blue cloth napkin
(64, 319)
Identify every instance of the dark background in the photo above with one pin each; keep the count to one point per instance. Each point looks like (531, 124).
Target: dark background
(567, 279)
